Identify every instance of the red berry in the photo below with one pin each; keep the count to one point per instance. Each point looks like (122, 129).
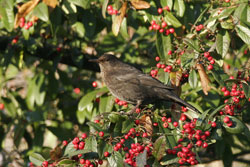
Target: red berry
(155, 124)
(226, 119)
(200, 26)
(110, 7)
(227, 1)
(137, 122)
(204, 145)
(21, 24)
(169, 52)
(210, 67)
(175, 124)
(160, 10)
(171, 30)
(82, 161)
(206, 54)
(84, 135)
(164, 24)
(101, 134)
(144, 135)
(45, 163)
(26, 26)
(157, 58)
(106, 154)
(197, 28)
(226, 93)
(100, 162)
(163, 119)
(94, 84)
(65, 142)
(161, 30)
(14, 40)
(30, 24)
(230, 123)
(212, 61)
(199, 143)
(158, 65)
(167, 32)
(223, 89)
(76, 140)
(207, 133)
(166, 8)
(77, 90)
(138, 110)
(213, 124)
(22, 19)
(165, 124)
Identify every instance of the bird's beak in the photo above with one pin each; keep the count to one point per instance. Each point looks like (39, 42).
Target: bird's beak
(94, 60)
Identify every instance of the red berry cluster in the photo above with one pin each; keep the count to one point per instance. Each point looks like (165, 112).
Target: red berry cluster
(112, 11)
(199, 27)
(228, 121)
(78, 144)
(25, 24)
(121, 103)
(210, 59)
(166, 68)
(236, 94)
(162, 27)
(190, 137)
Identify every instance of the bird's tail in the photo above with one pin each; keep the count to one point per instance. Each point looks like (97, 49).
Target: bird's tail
(170, 95)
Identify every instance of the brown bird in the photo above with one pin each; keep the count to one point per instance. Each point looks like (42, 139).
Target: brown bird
(129, 84)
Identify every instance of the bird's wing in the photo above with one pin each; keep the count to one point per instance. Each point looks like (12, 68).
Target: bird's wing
(142, 79)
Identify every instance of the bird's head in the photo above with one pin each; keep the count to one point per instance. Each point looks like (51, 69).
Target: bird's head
(105, 60)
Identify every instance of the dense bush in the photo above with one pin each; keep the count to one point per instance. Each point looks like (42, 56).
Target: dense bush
(55, 110)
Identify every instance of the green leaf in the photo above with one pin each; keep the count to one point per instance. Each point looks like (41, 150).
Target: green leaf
(244, 33)
(192, 44)
(124, 29)
(79, 28)
(96, 126)
(172, 20)
(246, 89)
(163, 45)
(240, 11)
(18, 133)
(114, 117)
(40, 91)
(238, 125)
(116, 160)
(86, 100)
(219, 75)
(222, 43)
(80, 115)
(66, 162)
(91, 144)
(9, 107)
(168, 3)
(41, 11)
(159, 147)
(103, 146)
(36, 159)
(127, 125)
(179, 6)
(104, 8)
(215, 111)
(7, 14)
(141, 159)
(106, 104)
(26, 33)
(192, 79)
(84, 4)
(171, 161)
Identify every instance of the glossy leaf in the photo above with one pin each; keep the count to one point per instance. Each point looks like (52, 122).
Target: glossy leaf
(179, 6)
(104, 7)
(222, 43)
(172, 20)
(7, 14)
(79, 28)
(159, 147)
(171, 161)
(244, 33)
(127, 125)
(118, 19)
(192, 79)
(163, 45)
(42, 12)
(116, 160)
(36, 159)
